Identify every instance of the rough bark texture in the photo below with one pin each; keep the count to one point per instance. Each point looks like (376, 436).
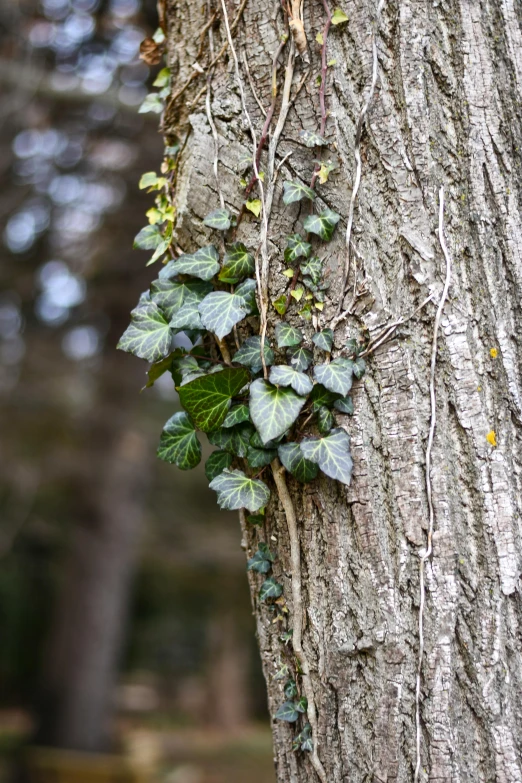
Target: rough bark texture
(446, 112)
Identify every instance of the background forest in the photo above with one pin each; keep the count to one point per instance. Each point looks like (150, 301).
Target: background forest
(82, 498)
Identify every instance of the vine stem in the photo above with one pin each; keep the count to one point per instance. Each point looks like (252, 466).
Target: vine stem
(278, 472)
(357, 155)
(426, 553)
(211, 119)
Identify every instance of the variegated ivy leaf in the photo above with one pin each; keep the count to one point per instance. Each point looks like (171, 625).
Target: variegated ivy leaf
(291, 689)
(250, 353)
(235, 490)
(257, 443)
(296, 247)
(234, 439)
(273, 409)
(296, 463)
(321, 396)
(183, 366)
(166, 272)
(344, 405)
(247, 291)
(287, 335)
(300, 358)
(236, 415)
(216, 463)
(237, 264)
(148, 335)
(179, 443)
(359, 368)
(325, 420)
(187, 317)
(311, 138)
(295, 191)
(221, 311)
(170, 295)
(270, 589)
(219, 219)
(152, 103)
(335, 376)
(203, 264)
(148, 238)
(262, 560)
(282, 375)
(324, 340)
(331, 453)
(258, 458)
(313, 268)
(287, 712)
(207, 399)
(322, 224)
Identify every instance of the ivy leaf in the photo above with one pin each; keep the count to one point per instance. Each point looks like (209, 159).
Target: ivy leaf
(296, 463)
(331, 453)
(270, 589)
(187, 317)
(247, 291)
(250, 353)
(302, 704)
(335, 376)
(237, 264)
(152, 103)
(162, 79)
(287, 335)
(290, 689)
(296, 247)
(221, 311)
(325, 420)
(148, 335)
(179, 443)
(259, 458)
(303, 740)
(207, 399)
(255, 519)
(287, 712)
(256, 441)
(148, 238)
(234, 439)
(203, 264)
(324, 340)
(321, 396)
(254, 205)
(339, 17)
(344, 405)
(282, 375)
(311, 138)
(157, 369)
(322, 224)
(166, 272)
(236, 415)
(313, 267)
(273, 409)
(359, 368)
(295, 191)
(280, 304)
(216, 464)
(151, 180)
(262, 560)
(170, 295)
(300, 358)
(219, 219)
(235, 490)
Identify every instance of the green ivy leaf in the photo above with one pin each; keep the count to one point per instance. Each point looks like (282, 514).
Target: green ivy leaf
(179, 443)
(303, 740)
(152, 103)
(290, 689)
(335, 376)
(221, 311)
(296, 247)
(301, 704)
(287, 335)
(216, 464)
(219, 219)
(203, 264)
(322, 224)
(339, 17)
(324, 340)
(321, 396)
(344, 405)
(151, 180)
(300, 358)
(247, 291)
(295, 191)
(273, 409)
(282, 375)
(287, 712)
(331, 453)
(234, 439)
(250, 354)
(170, 296)
(311, 138)
(207, 399)
(259, 458)
(262, 560)
(313, 267)
(325, 420)
(237, 264)
(296, 463)
(148, 335)
(255, 519)
(280, 304)
(235, 490)
(162, 79)
(270, 589)
(254, 205)
(148, 238)
(236, 415)
(359, 368)
(187, 317)
(156, 370)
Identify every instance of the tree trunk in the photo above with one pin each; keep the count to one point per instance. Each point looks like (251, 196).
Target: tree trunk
(445, 113)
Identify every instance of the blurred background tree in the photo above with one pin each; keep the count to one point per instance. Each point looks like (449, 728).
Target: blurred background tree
(123, 598)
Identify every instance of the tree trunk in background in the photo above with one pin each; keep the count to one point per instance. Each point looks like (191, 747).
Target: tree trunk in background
(446, 113)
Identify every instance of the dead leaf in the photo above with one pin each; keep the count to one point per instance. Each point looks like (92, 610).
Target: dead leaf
(151, 52)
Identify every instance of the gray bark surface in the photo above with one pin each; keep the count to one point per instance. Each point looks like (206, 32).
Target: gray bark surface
(447, 112)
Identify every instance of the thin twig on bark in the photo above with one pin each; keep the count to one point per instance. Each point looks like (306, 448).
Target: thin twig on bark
(211, 119)
(426, 553)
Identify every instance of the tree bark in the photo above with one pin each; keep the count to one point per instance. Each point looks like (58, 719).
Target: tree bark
(446, 113)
